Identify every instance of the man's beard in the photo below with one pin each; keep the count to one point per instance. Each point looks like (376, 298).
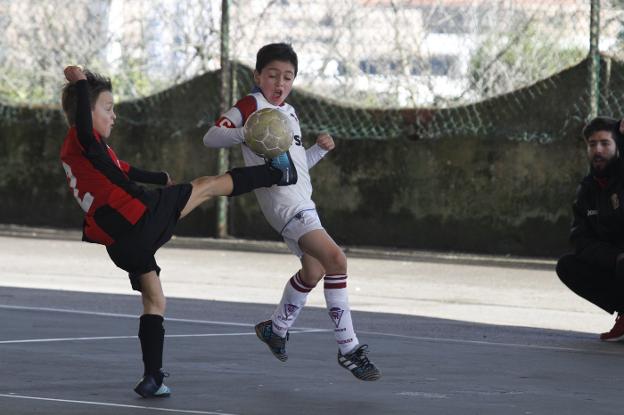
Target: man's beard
(609, 170)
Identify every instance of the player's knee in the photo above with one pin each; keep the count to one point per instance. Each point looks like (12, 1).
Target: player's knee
(204, 186)
(311, 279)
(154, 304)
(337, 262)
(563, 267)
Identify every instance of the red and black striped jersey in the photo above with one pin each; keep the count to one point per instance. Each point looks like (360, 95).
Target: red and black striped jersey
(101, 183)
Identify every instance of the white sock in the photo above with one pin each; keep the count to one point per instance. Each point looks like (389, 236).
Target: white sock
(293, 299)
(338, 307)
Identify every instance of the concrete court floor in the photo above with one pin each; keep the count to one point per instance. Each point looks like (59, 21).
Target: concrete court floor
(450, 337)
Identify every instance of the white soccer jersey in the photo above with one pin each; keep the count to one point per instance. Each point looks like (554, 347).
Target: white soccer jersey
(278, 203)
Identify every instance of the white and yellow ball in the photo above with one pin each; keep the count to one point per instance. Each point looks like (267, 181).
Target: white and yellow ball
(267, 133)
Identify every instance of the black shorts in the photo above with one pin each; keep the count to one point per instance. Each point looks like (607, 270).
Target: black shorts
(134, 251)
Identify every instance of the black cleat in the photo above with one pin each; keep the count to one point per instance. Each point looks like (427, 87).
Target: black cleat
(358, 364)
(277, 344)
(284, 163)
(152, 386)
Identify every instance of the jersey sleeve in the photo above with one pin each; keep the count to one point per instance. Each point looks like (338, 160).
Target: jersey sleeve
(314, 154)
(146, 176)
(84, 123)
(143, 176)
(125, 166)
(228, 129)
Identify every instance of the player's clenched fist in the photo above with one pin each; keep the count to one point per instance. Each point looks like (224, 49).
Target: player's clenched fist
(74, 74)
(325, 141)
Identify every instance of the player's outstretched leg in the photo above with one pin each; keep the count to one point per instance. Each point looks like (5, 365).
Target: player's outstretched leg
(284, 164)
(238, 181)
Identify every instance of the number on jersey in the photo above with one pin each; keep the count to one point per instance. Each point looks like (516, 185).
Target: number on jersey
(87, 200)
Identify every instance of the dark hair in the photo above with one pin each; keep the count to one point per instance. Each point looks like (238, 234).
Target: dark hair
(603, 124)
(276, 52)
(97, 85)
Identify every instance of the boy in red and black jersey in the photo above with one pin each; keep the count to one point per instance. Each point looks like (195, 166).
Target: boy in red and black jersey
(130, 220)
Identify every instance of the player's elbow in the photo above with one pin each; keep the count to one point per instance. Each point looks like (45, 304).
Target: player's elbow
(210, 138)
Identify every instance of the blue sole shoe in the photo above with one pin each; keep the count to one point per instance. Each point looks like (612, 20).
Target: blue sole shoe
(148, 387)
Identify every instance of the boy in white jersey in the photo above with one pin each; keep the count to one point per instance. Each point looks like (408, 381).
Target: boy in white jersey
(290, 210)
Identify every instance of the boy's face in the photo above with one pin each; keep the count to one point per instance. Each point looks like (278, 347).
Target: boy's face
(103, 115)
(601, 149)
(276, 80)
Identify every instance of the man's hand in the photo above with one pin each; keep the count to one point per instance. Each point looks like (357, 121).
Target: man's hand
(325, 141)
(74, 74)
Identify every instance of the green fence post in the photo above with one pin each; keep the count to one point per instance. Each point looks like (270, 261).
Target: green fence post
(594, 59)
(225, 103)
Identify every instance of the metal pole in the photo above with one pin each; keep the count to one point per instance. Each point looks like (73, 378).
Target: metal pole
(594, 59)
(225, 103)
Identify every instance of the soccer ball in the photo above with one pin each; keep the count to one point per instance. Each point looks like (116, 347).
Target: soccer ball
(267, 133)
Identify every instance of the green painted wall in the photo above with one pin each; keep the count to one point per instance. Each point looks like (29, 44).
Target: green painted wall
(494, 177)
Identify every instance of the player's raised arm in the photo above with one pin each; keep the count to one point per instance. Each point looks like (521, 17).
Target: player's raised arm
(83, 121)
(74, 74)
(324, 144)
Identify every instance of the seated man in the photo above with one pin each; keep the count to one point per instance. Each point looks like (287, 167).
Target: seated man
(595, 270)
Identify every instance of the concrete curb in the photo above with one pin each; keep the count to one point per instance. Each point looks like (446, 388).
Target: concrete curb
(20, 231)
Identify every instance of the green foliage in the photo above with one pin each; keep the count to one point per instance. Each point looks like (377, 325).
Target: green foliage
(504, 63)
(133, 81)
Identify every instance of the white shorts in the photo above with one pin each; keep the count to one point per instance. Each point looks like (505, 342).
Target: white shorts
(302, 223)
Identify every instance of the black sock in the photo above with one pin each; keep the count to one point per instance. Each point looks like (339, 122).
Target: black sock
(246, 179)
(152, 337)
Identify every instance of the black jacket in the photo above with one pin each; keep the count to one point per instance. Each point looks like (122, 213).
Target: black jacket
(597, 233)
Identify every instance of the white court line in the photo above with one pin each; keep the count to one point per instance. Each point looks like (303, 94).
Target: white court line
(133, 316)
(312, 330)
(486, 343)
(116, 405)
(69, 339)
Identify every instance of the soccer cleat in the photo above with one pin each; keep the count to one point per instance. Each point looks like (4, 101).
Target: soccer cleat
(358, 364)
(152, 386)
(284, 163)
(616, 333)
(277, 344)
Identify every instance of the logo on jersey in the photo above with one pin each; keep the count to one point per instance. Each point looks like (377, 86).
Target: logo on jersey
(615, 201)
(335, 313)
(592, 212)
(297, 140)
